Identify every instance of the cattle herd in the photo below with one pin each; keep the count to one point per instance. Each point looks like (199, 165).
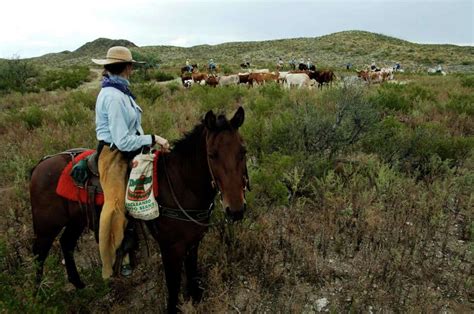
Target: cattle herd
(297, 78)
(379, 76)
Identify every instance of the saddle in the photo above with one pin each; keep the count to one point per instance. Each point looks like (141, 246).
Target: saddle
(85, 174)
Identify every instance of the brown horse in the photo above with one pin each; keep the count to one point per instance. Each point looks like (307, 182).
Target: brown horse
(186, 69)
(208, 160)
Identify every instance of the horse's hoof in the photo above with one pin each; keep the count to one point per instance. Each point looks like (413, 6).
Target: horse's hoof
(78, 284)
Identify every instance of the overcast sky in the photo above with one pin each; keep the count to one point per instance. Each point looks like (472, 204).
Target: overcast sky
(35, 27)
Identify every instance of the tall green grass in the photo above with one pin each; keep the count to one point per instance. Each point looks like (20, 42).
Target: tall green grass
(362, 196)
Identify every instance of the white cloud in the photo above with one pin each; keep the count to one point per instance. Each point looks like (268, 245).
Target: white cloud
(32, 27)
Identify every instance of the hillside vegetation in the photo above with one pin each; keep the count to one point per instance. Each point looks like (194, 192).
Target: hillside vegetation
(334, 50)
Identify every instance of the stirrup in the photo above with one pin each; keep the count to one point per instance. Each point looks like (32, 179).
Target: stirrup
(126, 270)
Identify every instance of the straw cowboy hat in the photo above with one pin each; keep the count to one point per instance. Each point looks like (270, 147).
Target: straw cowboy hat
(117, 54)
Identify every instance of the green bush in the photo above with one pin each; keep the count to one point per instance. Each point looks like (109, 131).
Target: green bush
(17, 75)
(227, 70)
(173, 87)
(85, 98)
(268, 178)
(392, 97)
(272, 90)
(461, 103)
(74, 114)
(162, 76)
(387, 139)
(467, 81)
(418, 93)
(148, 91)
(33, 117)
(416, 150)
(64, 78)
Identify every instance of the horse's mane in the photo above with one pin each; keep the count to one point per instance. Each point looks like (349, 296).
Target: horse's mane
(191, 140)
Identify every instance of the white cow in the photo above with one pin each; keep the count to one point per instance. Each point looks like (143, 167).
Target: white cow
(260, 71)
(229, 80)
(188, 83)
(298, 79)
(282, 77)
(389, 72)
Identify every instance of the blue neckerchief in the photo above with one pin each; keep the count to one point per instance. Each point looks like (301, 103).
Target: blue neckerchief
(118, 83)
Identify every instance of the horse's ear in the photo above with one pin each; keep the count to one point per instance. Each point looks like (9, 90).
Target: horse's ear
(238, 118)
(210, 120)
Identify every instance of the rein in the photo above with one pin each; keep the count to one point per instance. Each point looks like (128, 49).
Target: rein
(211, 206)
(171, 212)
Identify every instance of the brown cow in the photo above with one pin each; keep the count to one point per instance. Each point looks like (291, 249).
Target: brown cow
(363, 74)
(198, 77)
(373, 77)
(322, 77)
(244, 78)
(261, 78)
(212, 81)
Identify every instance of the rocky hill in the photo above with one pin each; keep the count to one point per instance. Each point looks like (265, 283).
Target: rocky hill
(334, 50)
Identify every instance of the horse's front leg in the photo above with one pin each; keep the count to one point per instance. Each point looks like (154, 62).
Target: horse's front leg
(193, 286)
(173, 257)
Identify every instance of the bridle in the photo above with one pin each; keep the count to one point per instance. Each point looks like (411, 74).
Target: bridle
(215, 186)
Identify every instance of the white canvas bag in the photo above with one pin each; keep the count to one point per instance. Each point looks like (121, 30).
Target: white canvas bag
(140, 200)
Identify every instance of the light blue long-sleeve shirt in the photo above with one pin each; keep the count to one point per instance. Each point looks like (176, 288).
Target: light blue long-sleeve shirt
(118, 119)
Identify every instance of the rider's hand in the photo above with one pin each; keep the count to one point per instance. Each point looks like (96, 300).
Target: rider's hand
(165, 146)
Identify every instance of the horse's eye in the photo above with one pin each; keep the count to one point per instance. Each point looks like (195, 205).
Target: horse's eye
(213, 155)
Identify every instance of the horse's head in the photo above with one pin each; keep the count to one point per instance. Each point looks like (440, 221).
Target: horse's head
(227, 161)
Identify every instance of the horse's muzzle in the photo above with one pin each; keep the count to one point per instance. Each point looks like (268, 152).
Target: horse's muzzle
(236, 215)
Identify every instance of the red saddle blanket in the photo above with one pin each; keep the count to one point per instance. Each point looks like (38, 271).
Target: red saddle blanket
(69, 190)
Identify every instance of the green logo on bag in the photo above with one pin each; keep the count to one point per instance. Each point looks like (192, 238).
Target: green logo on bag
(142, 180)
(139, 193)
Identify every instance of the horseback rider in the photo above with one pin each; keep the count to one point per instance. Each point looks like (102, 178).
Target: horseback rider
(212, 65)
(292, 63)
(279, 64)
(189, 66)
(439, 68)
(373, 67)
(121, 137)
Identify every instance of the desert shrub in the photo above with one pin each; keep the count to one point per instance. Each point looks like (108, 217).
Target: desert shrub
(418, 93)
(64, 78)
(225, 69)
(174, 87)
(467, 81)
(392, 97)
(388, 138)
(418, 149)
(162, 76)
(148, 91)
(272, 91)
(268, 179)
(216, 99)
(72, 114)
(84, 98)
(461, 103)
(32, 116)
(15, 75)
